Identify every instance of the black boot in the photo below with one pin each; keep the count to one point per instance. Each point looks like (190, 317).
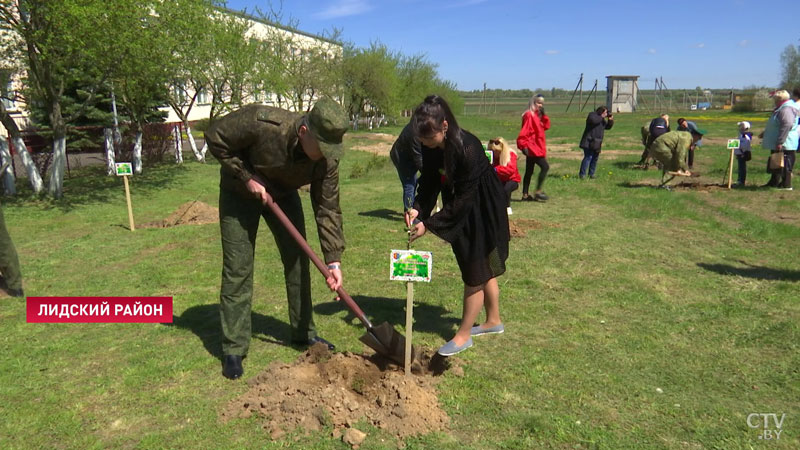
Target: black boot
(232, 366)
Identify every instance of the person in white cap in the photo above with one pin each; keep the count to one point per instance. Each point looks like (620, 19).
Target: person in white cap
(743, 152)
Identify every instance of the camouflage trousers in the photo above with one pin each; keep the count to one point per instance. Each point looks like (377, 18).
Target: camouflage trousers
(239, 218)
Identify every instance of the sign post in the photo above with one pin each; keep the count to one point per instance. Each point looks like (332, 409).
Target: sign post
(410, 266)
(125, 170)
(733, 144)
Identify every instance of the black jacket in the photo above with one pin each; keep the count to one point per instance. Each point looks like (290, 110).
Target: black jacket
(407, 147)
(596, 125)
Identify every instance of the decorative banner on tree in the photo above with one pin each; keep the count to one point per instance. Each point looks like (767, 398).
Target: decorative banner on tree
(733, 144)
(123, 169)
(410, 265)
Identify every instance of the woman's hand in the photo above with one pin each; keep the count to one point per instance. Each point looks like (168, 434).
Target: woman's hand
(417, 231)
(411, 215)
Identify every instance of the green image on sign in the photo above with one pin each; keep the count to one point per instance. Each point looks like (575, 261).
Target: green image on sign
(733, 143)
(410, 265)
(123, 169)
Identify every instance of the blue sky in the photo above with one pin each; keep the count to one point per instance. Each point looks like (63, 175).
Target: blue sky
(515, 44)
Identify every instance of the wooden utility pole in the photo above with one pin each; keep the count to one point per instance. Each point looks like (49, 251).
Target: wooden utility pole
(579, 85)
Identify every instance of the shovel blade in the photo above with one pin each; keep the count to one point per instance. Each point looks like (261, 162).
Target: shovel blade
(386, 341)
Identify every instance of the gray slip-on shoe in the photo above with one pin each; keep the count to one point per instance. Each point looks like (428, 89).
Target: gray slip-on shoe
(478, 331)
(451, 348)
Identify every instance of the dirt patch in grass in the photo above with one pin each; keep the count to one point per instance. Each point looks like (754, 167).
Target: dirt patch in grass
(700, 187)
(190, 213)
(566, 151)
(520, 227)
(376, 143)
(338, 390)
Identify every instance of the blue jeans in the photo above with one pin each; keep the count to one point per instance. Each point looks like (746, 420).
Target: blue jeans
(407, 171)
(589, 161)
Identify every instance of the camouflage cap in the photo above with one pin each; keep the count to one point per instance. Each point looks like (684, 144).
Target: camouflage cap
(328, 123)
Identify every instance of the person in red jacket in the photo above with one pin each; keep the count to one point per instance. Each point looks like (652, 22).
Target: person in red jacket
(504, 162)
(531, 142)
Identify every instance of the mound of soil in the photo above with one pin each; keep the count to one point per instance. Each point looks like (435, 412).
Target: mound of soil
(519, 226)
(340, 389)
(190, 213)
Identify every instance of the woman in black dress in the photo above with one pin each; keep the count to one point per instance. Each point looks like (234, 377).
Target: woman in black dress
(473, 218)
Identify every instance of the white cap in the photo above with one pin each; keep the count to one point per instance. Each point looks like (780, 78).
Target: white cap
(745, 125)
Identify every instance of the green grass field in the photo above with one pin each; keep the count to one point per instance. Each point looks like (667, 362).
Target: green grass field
(635, 317)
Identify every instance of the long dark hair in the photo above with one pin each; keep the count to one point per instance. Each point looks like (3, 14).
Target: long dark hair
(429, 118)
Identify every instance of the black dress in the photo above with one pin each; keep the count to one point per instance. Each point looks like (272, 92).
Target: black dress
(473, 218)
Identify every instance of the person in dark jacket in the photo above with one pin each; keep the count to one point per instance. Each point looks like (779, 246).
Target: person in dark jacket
(650, 132)
(406, 154)
(268, 153)
(473, 219)
(688, 125)
(597, 122)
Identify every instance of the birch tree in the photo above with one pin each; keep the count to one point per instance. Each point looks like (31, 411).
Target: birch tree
(59, 38)
(11, 57)
(192, 52)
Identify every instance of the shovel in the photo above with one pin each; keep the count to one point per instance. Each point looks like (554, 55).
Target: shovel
(384, 339)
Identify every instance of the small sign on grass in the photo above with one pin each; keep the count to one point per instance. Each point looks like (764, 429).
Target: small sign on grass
(123, 169)
(733, 144)
(410, 265)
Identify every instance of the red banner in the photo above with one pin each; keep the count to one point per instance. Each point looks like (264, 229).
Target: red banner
(99, 309)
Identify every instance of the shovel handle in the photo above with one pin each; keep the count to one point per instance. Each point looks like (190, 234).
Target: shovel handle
(313, 257)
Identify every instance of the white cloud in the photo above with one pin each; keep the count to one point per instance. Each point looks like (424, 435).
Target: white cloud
(344, 8)
(744, 43)
(552, 52)
(699, 45)
(652, 51)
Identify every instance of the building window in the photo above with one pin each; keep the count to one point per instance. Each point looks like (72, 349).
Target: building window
(202, 97)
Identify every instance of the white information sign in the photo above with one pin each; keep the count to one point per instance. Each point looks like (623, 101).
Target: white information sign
(410, 265)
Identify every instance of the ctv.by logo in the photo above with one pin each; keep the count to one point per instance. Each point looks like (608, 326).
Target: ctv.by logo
(762, 422)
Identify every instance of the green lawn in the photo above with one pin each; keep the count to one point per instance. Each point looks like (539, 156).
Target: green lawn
(635, 317)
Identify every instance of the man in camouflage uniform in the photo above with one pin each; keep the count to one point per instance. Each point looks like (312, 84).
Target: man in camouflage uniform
(260, 146)
(670, 150)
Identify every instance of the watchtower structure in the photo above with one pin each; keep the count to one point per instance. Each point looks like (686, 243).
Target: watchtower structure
(622, 93)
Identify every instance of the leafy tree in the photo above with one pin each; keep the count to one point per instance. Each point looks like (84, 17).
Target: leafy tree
(790, 60)
(417, 78)
(192, 52)
(230, 71)
(370, 81)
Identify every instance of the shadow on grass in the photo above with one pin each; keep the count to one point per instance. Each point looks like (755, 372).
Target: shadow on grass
(427, 318)
(757, 272)
(383, 213)
(636, 185)
(203, 321)
(628, 165)
(90, 185)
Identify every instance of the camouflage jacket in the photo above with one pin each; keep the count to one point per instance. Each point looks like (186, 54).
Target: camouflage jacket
(263, 140)
(670, 148)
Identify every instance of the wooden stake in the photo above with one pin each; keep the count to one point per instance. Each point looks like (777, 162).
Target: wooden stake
(730, 170)
(128, 198)
(409, 323)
